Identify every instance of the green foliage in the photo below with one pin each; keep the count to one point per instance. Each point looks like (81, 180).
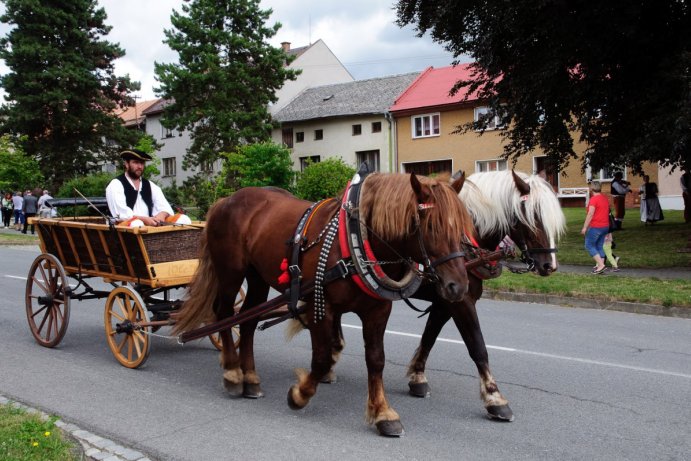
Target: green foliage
(93, 185)
(264, 164)
(225, 77)
(62, 87)
(17, 170)
(29, 438)
(148, 145)
(323, 179)
(616, 72)
(201, 191)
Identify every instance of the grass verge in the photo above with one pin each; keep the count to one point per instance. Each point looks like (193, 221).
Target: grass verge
(27, 437)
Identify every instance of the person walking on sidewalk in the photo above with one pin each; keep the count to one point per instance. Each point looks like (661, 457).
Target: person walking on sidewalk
(619, 188)
(596, 226)
(30, 208)
(17, 202)
(7, 209)
(608, 246)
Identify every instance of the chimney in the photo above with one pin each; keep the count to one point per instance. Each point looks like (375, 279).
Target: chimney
(285, 46)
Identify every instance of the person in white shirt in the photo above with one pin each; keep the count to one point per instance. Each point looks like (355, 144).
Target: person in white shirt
(131, 196)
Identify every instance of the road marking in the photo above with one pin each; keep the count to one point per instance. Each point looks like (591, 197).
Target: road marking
(543, 354)
(15, 277)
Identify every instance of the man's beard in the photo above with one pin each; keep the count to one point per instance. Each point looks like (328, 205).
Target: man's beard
(134, 174)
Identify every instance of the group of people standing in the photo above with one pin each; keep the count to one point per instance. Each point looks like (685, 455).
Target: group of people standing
(23, 205)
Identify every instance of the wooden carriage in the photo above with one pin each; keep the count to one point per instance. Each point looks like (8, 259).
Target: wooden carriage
(144, 267)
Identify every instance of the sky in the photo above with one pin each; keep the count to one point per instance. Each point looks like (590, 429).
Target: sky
(361, 33)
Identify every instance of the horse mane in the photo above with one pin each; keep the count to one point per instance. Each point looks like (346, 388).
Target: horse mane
(389, 205)
(541, 205)
(488, 217)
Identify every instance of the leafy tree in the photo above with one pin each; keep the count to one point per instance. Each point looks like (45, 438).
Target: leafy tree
(226, 76)
(61, 85)
(323, 179)
(264, 164)
(616, 72)
(17, 170)
(93, 185)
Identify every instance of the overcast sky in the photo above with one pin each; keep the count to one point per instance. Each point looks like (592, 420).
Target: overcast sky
(361, 33)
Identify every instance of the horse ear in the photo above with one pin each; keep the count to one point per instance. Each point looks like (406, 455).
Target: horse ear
(521, 185)
(458, 181)
(418, 188)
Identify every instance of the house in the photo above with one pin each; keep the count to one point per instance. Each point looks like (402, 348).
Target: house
(426, 117)
(347, 120)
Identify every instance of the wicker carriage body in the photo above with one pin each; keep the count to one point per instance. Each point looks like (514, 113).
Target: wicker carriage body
(163, 256)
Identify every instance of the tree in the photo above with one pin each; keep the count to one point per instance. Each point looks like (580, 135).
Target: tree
(324, 179)
(617, 73)
(17, 170)
(61, 86)
(226, 76)
(258, 165)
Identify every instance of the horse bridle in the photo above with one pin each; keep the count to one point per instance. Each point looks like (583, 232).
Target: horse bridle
(526, 252)
(429, 267)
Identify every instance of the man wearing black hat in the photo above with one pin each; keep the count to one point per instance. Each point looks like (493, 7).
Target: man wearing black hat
(130, 196)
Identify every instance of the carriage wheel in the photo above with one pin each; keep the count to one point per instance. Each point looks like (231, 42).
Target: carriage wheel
(216, 337)
(47, 300)
(128, 341)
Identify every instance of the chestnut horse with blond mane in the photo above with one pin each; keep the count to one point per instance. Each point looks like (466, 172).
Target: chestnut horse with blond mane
(410, 220)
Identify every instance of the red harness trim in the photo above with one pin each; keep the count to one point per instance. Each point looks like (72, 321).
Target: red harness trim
(345, 249)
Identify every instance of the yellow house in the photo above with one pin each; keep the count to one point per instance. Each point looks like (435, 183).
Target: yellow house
(426, 117)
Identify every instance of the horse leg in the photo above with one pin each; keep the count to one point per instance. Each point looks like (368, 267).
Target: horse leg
(257, 293)
(337, 346)
(418, 385)
(300, 393)
(378, 411)
(232, 374)
(465, 318)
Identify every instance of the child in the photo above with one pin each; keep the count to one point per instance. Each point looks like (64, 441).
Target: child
(608, 246)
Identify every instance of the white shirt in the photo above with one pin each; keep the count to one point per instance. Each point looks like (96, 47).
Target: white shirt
(117, 203)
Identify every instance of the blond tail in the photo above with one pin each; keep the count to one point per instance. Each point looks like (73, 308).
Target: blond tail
(201, 295)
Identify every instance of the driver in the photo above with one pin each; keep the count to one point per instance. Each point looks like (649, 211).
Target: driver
(131, 197)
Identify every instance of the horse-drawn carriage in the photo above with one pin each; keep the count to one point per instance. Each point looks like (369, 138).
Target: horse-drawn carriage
(144, 267)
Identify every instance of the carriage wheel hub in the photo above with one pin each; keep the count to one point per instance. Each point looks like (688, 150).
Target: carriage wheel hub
(124, 327)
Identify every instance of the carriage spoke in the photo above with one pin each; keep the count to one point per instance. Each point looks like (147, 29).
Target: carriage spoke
(39, 284)
(135, 340)
(121, 343)
(46, 314)
(34, 314)
(117, 316)
(49, 317)
(129, 348)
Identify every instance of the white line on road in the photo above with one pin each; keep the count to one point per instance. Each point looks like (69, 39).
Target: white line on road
(15, 277)
(543, 354)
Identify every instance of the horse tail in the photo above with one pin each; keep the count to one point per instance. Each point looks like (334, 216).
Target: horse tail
(201, 294)
(294, 327)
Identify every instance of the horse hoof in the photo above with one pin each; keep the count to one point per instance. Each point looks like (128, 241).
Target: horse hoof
(252, 391)
(329, 378)
(390, 428)
(500, 413)
(234, 389)
(291, 402)
(419, 389)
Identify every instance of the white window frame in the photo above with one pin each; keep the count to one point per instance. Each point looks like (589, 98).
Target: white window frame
(601, 174)
(493, 123)
(166, 132)
(495, 164)
(426, 121)
(166, 164)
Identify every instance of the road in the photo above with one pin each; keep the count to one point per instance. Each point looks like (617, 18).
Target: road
(583, 384)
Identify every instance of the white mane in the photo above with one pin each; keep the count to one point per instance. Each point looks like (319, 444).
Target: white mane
(499, 190)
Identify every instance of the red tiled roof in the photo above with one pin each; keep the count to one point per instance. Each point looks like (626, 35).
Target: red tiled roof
(432, 87)
(134, 115)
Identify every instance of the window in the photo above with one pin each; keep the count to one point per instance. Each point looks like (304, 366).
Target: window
(318, 135)
(428, 168)
(169, 166)
(357, 130)
(369, 156)
(288, 137)
(376, 127)
(306, 161)
(300, 136)
(166, 132)
(603, 175)
(490, 165)
(485, 115)
(425, 126)
(207, 166)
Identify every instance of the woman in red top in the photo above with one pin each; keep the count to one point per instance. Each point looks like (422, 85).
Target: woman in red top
(596, 226)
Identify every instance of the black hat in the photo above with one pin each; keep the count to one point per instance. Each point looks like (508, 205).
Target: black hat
(135, 154)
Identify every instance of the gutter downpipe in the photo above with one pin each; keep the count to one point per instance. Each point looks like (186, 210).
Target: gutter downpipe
(393, 162)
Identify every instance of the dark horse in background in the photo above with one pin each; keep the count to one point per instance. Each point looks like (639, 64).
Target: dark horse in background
(410, 219)
(501, 203)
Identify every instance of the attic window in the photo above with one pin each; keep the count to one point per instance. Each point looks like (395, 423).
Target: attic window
(328, 98)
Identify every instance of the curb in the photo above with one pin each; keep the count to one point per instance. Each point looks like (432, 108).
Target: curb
(585, 303)
(91, 446)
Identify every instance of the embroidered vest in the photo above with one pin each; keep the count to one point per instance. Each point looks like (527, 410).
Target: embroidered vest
(131, 193)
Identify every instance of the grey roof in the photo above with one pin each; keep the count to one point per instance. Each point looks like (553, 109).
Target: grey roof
(373, 96)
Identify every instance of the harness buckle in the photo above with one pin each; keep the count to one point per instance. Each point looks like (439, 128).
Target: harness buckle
(294, 271)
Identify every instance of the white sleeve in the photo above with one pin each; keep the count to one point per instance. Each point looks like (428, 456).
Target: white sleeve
(117, 203)
(160, 201)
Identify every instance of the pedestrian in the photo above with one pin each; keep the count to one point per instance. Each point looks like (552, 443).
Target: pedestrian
(651, 212)
(685, 182)
(44, 211)
(17, 202)
(596, 226)
(29, 209)
(608, 246)
(619, 188)
(7, 209)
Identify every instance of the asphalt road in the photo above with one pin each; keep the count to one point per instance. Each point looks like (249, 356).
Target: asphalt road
(583, 384)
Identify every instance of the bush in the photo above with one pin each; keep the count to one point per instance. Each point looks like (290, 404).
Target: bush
(17, 170)
(323, 179)
(93, 185)
(263, 164)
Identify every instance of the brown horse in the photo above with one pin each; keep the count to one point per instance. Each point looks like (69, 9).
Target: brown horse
(409, 219)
